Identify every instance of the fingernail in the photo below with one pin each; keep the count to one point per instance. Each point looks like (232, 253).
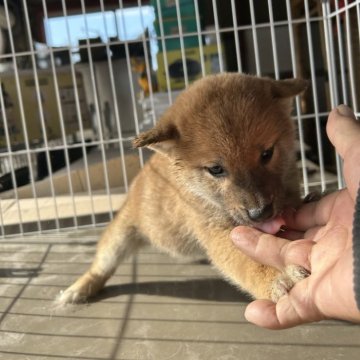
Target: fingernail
(244, 238)
(238, 236)
(235, 236)
(344, 110)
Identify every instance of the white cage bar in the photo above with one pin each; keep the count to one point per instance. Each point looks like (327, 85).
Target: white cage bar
(80, 79)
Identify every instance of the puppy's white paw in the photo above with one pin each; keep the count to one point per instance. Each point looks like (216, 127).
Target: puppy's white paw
(69, 296)
(285, 281)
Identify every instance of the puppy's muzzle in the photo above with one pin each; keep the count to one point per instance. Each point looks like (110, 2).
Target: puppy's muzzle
(261, 213)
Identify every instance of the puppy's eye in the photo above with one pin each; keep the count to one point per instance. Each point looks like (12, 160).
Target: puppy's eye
(216, 171)
(266, 155)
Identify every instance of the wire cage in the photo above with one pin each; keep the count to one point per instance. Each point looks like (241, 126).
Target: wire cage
(79, 79)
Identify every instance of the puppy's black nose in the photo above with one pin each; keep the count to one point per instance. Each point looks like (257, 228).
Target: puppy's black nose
(261, 213)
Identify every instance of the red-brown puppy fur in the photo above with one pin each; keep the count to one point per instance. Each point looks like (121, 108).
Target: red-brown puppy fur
(237, 125)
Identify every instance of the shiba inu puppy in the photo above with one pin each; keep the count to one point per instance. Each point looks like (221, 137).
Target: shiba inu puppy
(224, 156)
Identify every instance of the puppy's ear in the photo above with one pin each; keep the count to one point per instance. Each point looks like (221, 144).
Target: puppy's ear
(161, 138)
(285, 90)
(288, 87)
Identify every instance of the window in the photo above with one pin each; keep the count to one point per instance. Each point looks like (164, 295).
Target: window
(124, 24)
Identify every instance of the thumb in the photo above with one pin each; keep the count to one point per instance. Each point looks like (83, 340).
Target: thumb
(343, 129)
(344, 133)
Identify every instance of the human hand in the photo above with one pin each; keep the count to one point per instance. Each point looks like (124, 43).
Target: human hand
(325, 246)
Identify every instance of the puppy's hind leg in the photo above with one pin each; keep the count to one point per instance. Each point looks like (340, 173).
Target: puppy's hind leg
(118, 242)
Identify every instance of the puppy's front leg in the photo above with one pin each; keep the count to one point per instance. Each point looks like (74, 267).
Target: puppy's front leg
(117, 242)
(262, 282)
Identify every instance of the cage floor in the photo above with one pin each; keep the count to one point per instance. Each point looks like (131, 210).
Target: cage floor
(154, 307)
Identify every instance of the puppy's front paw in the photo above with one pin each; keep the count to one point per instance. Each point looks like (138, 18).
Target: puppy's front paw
(286, 280)
(70, 296)
(86, 286)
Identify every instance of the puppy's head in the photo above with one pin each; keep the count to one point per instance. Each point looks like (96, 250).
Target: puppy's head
(231, 140)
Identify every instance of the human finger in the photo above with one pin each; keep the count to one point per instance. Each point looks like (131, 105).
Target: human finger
(344, 133)
(271, 250)
(290, 311)
(343, 129)
(263, 313)
(289, 234)
(311, 214)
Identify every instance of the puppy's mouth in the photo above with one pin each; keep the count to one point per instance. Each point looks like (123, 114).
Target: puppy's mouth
(271, 226)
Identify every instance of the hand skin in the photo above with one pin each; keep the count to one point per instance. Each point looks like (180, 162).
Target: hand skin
(324, 245)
